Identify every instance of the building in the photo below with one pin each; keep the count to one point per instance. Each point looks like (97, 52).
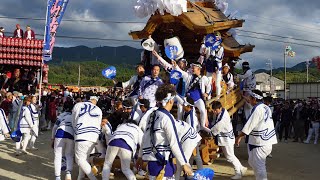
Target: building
(304, 90)
(263, 84)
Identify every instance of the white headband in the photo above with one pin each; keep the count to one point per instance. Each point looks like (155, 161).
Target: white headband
(94, 98)
(167, 99)
(198, 65)
(257, 96)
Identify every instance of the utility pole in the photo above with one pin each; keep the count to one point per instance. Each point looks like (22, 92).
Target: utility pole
(285, 76)
(79, 76)
(271, 67)
(307, 65)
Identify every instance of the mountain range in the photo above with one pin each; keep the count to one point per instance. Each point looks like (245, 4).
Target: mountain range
(105, 54)
(125, 55)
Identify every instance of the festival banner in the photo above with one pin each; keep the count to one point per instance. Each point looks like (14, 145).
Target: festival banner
(55, 12)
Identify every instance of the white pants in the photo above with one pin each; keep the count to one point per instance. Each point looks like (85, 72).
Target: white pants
(35, 133)
(257, 160)
(82, 152)
(100, 148)
(125, 158)
(217, 81)
(188, 153)
(203, 114)
(60, 145)
(228, 152)
(180, 102)
(315, 130)
(23, 142)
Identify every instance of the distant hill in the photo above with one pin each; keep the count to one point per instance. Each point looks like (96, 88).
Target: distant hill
(105, 54)
(298, 67)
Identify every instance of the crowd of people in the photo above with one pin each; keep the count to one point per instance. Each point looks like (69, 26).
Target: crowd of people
(133, 120)
(19, 33)
(20, 80)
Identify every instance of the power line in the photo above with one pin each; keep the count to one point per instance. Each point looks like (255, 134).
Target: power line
(74, 20)
(90, 38)
(300, 44)
(279, 36)
(281, 21)
(126, 40)
(284, 27)
(95, 38)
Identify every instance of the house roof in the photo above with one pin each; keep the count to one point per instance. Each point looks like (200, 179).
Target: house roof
(202, 18)
(263, 78)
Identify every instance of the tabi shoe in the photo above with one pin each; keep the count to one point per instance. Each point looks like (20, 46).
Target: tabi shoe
(68, 177)
(243, 171)
(24, 152)
(237, 176)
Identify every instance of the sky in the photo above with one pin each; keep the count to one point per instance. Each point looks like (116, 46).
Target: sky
(297, 19)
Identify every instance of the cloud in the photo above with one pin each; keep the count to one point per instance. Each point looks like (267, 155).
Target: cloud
(294, 18)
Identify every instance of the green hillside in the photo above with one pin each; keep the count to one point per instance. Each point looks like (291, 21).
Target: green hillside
(67, 73)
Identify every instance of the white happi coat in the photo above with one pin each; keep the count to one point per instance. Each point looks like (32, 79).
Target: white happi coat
(64, 122)
(260, 127)
(187, 77)
(192, 120)
(148, 88)
(130, 133)
(165, 138)
(4, 128)
(86, 121)
(229, 80)
(144, 119)
(248, 79)
(189, 137)
(107, 131)
(223, 129)
(26, 122)
(131, 81)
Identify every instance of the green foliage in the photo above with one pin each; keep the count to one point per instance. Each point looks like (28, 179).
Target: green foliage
(90, 75)
(300, 76)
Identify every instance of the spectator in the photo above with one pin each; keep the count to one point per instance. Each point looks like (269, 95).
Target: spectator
(299, 115)
(32, 83)
(14, 83)
(29, 34)
(52, 112)
(115, 117)
(18, 33)
(1, 32)
(286, 117)
(6, 105)
(4, 78)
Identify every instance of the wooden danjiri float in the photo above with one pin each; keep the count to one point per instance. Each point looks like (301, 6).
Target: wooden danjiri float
(201, 18)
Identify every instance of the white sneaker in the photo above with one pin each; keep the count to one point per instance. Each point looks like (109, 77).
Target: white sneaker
(237, 176)
(315, 143)
(58, 178)
(68, 177)
(34, 148)
(243, 170)
(306, 142)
